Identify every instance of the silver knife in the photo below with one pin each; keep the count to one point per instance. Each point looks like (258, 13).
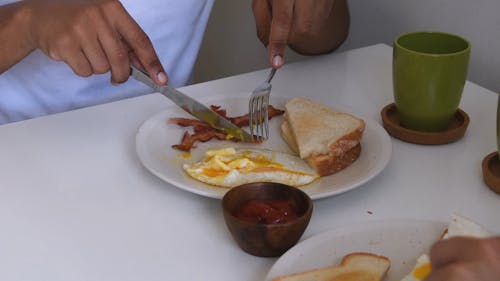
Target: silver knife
(193, 107)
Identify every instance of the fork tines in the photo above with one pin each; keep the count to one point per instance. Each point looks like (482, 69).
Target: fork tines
(258, 107)
(259, 116)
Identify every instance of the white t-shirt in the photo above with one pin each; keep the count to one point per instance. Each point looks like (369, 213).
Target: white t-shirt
(38, 86)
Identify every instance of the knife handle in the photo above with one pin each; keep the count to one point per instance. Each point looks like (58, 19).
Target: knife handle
(177, 97)
(142, 77)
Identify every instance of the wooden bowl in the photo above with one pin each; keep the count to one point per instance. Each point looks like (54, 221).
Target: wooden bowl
(491, 171)
(264, 238)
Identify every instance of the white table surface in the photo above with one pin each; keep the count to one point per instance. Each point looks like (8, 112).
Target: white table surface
(76, 204)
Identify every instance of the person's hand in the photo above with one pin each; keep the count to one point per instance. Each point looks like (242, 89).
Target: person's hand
(465, 259)
(308, 27)
(93, 37)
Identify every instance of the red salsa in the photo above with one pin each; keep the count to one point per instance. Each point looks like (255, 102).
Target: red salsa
(267, 211)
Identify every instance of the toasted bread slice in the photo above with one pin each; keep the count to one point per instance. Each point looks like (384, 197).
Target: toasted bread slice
(463, 226)
(332, 161)
(354, 267)
(327, 164)
(324, 164)
(287, 134)
(318, 129)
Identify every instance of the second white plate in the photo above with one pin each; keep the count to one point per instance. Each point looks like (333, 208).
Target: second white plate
(156, 136)
(402, 241)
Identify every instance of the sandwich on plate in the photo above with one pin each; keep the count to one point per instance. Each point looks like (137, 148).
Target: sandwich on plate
(327, 139)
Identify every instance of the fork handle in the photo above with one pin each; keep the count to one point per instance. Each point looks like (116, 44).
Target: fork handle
(271, 75)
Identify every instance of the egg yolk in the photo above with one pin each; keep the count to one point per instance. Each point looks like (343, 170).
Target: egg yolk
(185, 155)
(221, 162)
(422, 271)
(213, 172)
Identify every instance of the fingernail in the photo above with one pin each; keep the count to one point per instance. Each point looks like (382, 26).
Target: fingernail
(277, 61)
(162, 77)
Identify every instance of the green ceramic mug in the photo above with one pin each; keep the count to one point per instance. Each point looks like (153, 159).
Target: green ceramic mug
(429, 72)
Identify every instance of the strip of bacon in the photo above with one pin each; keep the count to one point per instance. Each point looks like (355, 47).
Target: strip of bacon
(244, 120)
(189, 140)
(217, 108)
(186, 122)
(203, 132)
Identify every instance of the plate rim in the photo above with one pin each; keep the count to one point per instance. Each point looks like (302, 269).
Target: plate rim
(381, 164)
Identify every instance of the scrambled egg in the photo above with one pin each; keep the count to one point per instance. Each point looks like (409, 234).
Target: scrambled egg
(230, 167)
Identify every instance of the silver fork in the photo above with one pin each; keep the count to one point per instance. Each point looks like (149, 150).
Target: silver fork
(258, 109)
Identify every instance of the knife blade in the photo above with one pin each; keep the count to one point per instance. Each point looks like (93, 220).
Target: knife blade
(193, 107)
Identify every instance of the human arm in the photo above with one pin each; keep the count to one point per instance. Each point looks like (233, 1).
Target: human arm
(92, 37)
(308, 27)
(465, 259)
(14, 31)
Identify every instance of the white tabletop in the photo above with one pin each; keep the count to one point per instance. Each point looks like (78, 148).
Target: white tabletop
(76, 203)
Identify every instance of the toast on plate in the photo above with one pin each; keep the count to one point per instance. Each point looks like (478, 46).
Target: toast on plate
(354, 267)
(327, 139)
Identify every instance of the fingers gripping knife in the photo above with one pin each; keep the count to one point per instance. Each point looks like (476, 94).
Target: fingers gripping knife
(194, 107)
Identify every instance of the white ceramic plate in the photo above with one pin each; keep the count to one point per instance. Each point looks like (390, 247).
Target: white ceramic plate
(155, 138)
(402, 241)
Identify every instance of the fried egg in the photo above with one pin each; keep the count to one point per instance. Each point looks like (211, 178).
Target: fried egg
(230, 167)
(421, 270)
(458, 226)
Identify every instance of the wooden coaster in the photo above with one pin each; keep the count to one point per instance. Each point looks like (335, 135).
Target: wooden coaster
(455, 131)
(491, 171)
